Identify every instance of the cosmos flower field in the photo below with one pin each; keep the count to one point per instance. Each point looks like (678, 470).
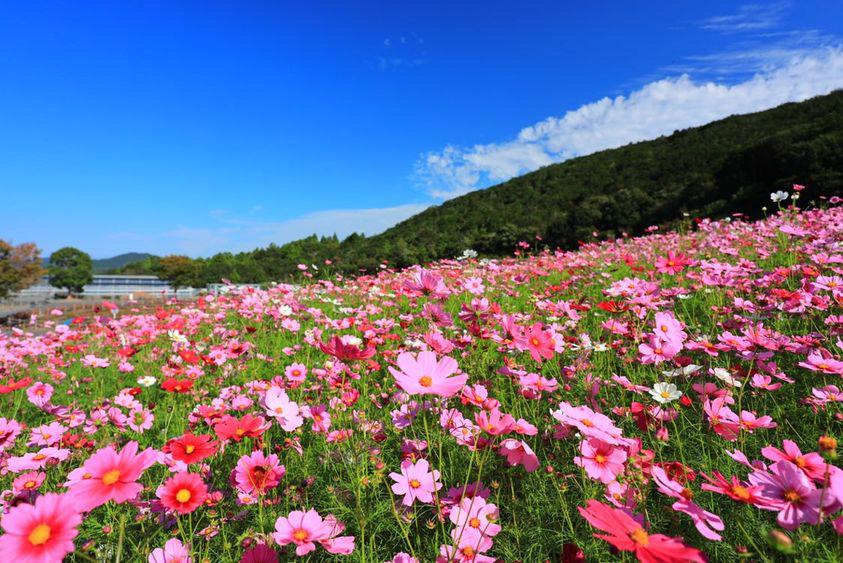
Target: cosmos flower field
(674, 397)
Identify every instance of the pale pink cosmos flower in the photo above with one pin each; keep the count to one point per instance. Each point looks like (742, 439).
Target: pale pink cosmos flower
(424, 375)
(46, 434)
(305, 529)
(590, 424)
(415, 481)
(109, 475)
(475, 513)
(174, 551)
(278, 405)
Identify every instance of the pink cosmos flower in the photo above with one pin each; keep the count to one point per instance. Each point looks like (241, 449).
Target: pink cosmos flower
(705, 522)
(286, 412)
(173, 552)
(656, 351)
(601, 461)
(40, 394)
(672, 263)
(28, 482)
(817, 362)
(296, 373)
(721, 419)
(786, 489)
(590, 424)
(40, 532)
(539, 342)
(109, 475)
(257, 473)
(304, 529)
(9, 431)
(470, 549)
(494, 422)
(424, 375)
(518, 452)
(415, 481)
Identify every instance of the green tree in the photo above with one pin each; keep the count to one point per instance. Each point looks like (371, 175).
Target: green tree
(20, 267)
(70, 268)
(180, 271)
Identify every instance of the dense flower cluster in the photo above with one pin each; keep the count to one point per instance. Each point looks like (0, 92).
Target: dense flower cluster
(674, 396)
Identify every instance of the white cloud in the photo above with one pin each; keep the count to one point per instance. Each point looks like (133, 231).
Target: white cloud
(749, 17)
(236, 234)
(656, 109)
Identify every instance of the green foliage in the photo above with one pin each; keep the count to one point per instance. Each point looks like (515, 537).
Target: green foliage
(180, 271)
(70, 268)
(20, 267)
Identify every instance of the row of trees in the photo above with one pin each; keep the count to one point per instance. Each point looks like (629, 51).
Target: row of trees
(21, 266)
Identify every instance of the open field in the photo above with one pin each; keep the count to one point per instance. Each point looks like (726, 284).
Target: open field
(678, 394)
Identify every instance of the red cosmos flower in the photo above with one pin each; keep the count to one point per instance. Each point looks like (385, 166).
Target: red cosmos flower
(237, 428)
(613, 306)
(342, 350)
(174, 385)
(12, 385)
(183, 492)
(191, 448)
(628, 535)
(189, 357)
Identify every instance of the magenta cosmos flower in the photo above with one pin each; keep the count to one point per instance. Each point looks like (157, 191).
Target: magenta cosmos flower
(39, 532)
(109, 475)
(415, 481)
(602, 462)
(786, 489)
(424, 375)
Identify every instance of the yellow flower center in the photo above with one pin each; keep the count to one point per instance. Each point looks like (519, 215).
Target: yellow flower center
(741, 492)
(587, 423)
(183, 495)
(425, 381)
(39, 534)
(474, 522)
(600, 458)
(111, 477)
(792, 496)
(414, 483)
(29, 485)
(300, 535)
(639, 536)
(665, 395)
(189, 449)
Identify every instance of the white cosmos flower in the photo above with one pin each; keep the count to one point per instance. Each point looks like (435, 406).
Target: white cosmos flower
(726, 376)
(146, 381)
(778, 196)
(176, 336)
(683, 371)
(665, 393)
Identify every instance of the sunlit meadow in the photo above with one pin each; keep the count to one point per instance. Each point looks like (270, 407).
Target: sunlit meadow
(673, 397)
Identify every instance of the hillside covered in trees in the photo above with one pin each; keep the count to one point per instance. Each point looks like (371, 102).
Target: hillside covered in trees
(727, 166)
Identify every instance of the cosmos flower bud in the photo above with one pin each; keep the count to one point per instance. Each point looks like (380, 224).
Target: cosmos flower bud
(780, 541)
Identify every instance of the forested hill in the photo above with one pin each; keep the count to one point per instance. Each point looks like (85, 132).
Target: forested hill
(726, 166)
(723, 167)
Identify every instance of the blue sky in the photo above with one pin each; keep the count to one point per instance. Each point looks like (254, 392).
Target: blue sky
(197, 127)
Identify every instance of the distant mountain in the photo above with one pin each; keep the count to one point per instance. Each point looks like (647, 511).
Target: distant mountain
(104, 265)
